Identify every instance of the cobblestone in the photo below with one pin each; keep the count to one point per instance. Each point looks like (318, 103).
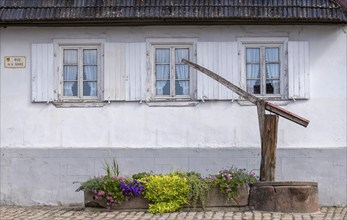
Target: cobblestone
(75, 213)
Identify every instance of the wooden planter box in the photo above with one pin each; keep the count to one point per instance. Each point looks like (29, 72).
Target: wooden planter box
(215, 198)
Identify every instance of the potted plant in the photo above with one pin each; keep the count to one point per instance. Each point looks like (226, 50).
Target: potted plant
(230, 187)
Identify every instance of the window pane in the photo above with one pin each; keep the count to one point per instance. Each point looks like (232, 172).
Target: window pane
(70, 89)
(182, 71)
(253, 71)
(89, 57)
(162, 87)
(89, 88)
(253, 55)
(272, 54)
(89, 72)
(162, 55)
(70, 57)
(182, 87)
(273, 87)
(162, 71)
(253, 86)
(272, 71)
(70, 72)
(181, 54)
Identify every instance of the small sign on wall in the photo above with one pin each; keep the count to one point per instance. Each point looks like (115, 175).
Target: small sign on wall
(15, 62)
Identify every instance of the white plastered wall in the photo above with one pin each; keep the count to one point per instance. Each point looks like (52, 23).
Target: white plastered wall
(209, 124)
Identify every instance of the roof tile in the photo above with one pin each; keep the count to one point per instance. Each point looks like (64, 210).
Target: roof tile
(166, 11)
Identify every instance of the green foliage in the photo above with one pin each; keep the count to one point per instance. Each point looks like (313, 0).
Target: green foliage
(111, 191)
(198, 187)
(93, 184)
(111, 170)
(138, 176)
(164, 207)
(167, 193)
(229, 180)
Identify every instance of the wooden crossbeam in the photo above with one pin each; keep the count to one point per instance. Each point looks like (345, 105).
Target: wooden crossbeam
(253, 99)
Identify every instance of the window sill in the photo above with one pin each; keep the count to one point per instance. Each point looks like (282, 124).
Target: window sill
(276, 102)
(84, 104)
(172, 103)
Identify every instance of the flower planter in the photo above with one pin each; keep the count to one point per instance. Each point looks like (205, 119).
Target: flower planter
(214, 198)
(137, 202)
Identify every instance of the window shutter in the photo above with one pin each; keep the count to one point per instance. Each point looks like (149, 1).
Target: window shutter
(114, 71)
(42, 72)
(135, 88)
(298, 70)
(221, 58)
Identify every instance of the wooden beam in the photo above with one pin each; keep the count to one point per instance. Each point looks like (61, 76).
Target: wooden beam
(223, 81)
(253, 99)
(286, 114)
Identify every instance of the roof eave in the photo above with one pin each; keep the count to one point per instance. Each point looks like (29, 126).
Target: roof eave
(165, 21)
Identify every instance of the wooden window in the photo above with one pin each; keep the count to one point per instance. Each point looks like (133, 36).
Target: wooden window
(263, 70)
(264, 64)
(172, 78)
(80, 73)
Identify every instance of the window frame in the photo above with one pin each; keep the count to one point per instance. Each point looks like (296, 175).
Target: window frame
(80, 45)
(262, 43)
(172, 44)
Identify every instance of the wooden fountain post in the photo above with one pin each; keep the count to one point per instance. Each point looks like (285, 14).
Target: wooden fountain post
(268, 124)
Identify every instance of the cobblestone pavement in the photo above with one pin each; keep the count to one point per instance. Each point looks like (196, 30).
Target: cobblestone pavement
(58, 212)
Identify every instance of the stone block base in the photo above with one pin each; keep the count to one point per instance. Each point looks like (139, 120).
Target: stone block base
(297, 197)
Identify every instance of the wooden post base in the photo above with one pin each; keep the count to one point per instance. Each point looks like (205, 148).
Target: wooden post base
(268, 148)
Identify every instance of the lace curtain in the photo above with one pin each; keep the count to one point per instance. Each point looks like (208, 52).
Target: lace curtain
(162, 71)
(70, 62)
(272, 70)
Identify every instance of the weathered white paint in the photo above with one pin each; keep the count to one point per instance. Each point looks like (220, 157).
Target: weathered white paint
(211, 124)
(135, 57)
(42, 72)
(33, 176)
(298, 71)
(220, 57)
(114, 75)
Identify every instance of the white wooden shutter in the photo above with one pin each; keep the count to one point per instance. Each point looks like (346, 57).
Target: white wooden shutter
(42, 72)
(114, 71)
(298, 70)
(136, 72)
(221, 58)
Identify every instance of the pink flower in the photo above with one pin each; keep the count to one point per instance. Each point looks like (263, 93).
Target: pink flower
(100, 193)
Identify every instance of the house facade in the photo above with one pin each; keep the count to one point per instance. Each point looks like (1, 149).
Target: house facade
(83, 82)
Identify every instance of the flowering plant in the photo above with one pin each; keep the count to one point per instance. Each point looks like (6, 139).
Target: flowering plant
(229, 180)
(113, 189)
(131, 188)
(116, 190)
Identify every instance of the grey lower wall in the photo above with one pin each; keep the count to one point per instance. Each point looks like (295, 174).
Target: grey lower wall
(50, 176)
